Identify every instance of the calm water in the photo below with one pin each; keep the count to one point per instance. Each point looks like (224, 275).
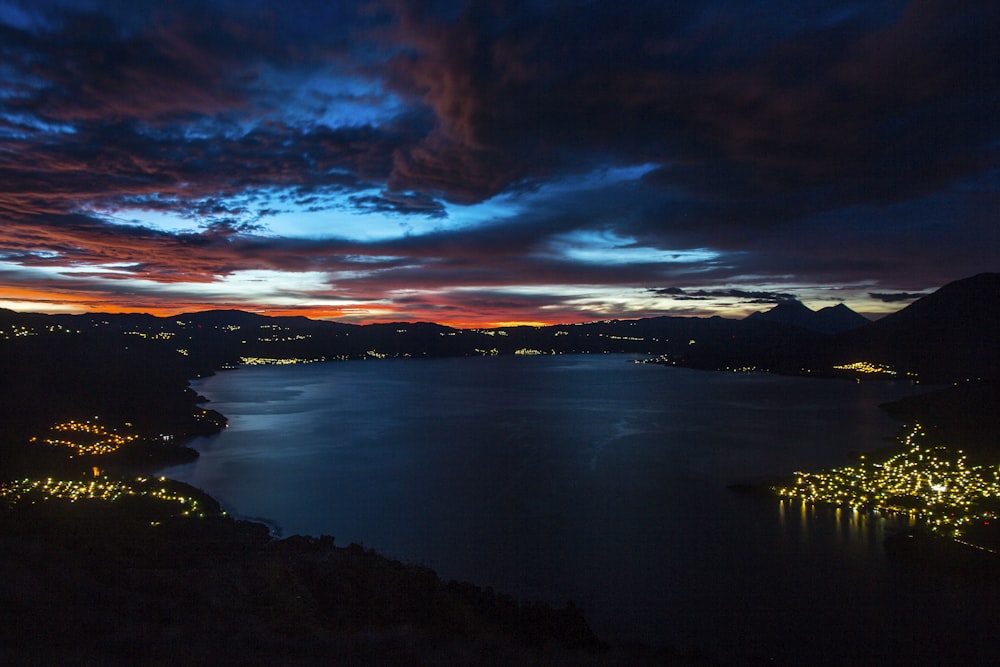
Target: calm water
(591, 479)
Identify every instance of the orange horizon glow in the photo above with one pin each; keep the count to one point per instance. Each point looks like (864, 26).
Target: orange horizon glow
(52, 303)
(27, 300)
(318, 314)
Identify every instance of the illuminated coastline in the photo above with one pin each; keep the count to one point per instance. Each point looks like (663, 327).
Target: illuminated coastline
(867, 368)
(103, 489)
(933, 483)
(86, 437)
(276, 361)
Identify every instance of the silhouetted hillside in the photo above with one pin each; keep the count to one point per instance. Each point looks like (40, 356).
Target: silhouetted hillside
(965, 416)
(950, 335)
(56, 364)
(829, 320)
(838, 319)
(792, 312)
(97, 583)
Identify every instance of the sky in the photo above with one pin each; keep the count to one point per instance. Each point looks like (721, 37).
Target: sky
(493, 162)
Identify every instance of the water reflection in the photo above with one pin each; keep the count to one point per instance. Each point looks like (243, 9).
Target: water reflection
(850, 528)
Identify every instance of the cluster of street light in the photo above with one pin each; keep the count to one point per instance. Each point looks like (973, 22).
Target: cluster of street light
(867, 367)
(86, 437)
(34, 491)
(276, 361)
(931, 482)
(283, 339)
(16, 331)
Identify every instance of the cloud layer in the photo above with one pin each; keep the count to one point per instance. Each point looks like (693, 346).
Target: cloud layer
(504, 161)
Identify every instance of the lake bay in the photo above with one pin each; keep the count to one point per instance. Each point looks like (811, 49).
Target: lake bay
(592, 479)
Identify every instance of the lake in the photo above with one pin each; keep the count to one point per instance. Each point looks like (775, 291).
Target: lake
(593, 479)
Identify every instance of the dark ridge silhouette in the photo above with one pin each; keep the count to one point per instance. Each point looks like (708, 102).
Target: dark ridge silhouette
(794, 313)
(950, 335)
(830, 320)
(838, 319)
(966, 416)
(99, 583)
(947, 336)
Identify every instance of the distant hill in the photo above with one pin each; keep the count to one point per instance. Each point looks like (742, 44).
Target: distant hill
(950, 335)
(830, 320)
(794, 313)
(838, 319)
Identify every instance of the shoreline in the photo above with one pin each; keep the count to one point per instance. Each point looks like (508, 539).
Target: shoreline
(219, 589)
(947, 499)
(118, 513)
(201, 540)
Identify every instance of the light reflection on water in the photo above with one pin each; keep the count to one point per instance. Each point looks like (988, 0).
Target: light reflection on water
(583, 478)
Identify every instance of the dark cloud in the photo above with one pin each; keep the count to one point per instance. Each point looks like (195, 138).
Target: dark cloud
(90, 67)
(823, 108)
(122, 166)
(179, 61)
(896, 297)
(751, 297)
(399, 202)
(830, 143)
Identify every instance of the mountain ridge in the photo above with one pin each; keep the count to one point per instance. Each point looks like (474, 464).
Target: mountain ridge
(949, 335)
(829, 320)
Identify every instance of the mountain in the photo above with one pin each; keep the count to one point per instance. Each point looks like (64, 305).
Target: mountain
(950, 335)
(794, 313)
(830, 320)
(838, 319)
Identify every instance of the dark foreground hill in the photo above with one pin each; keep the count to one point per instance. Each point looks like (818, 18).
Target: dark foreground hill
(221, 592)
(967, 416)
(96, 585)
